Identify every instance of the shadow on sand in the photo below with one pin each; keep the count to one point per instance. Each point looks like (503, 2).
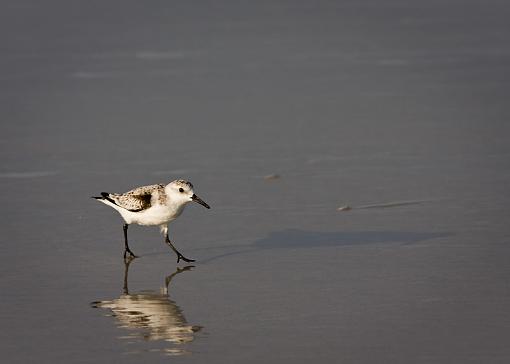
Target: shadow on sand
(300, 239)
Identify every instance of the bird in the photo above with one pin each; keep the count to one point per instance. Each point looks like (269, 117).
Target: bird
(153, 205)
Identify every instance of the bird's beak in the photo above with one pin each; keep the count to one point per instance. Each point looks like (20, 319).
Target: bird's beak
(200, 201)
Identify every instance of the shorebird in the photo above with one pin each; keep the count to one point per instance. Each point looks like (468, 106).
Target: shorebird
(154, 205)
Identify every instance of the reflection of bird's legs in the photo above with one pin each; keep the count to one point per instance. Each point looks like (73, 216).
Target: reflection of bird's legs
(127, 262)
(171, 276)
(164, 230)
(126, 246)
(168, 279)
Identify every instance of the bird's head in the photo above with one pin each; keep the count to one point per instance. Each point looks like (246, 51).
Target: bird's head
(182, 191)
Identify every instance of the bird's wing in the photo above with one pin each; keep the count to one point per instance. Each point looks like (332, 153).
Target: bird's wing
(137, 199)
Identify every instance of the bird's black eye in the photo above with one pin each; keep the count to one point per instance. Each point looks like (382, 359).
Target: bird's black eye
(181, 190)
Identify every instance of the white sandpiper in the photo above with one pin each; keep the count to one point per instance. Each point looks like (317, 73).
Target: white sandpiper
(154, 205)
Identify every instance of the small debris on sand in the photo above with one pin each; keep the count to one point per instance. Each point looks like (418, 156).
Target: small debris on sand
(271, 177)
(344, 208)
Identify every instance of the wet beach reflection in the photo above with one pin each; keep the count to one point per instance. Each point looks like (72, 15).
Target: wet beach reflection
(151, 316)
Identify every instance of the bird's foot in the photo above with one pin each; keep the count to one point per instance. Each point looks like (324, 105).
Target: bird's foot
(129, 255)
(180, 256)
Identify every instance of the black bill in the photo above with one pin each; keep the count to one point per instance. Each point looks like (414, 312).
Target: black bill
(200, 201)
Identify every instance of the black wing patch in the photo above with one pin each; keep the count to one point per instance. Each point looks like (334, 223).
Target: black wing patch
(143, 202)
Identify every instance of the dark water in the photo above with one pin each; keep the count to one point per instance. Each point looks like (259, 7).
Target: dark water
(369, 104)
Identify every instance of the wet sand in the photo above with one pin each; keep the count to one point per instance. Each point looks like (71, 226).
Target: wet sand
(397, 110)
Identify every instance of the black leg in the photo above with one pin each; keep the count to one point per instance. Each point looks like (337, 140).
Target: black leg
(179, 255)
(126, 246)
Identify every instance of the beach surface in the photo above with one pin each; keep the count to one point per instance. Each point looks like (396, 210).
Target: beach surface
(355, 156)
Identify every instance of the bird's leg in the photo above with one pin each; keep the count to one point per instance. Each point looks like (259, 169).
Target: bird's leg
(126, 246)
(179, 255)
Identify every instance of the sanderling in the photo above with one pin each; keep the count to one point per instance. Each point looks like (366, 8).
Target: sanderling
(154, 205)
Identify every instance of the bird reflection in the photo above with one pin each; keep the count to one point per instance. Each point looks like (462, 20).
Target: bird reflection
(150, 315)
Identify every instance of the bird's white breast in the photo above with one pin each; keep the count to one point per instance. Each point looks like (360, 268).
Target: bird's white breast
(156, 215)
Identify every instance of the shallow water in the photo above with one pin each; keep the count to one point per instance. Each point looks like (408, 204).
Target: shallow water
(398, 110)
